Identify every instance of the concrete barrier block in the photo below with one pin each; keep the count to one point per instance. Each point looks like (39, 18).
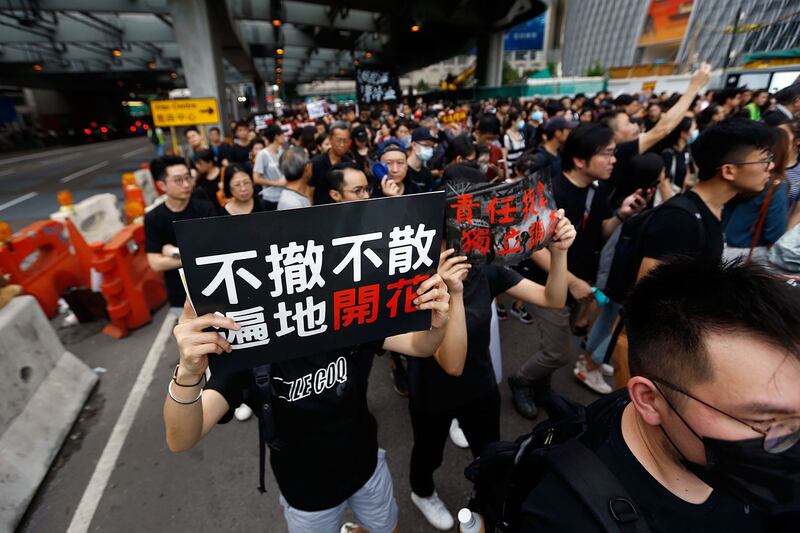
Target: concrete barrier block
(97, 217)
(44, 390)
(145, 181)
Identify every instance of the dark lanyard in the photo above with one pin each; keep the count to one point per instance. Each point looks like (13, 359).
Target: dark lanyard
(588, 206)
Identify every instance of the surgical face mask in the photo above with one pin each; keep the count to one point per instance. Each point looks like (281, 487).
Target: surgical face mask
(693, 136)
(406, 140)
(521, 125)
(538, 116)
(743, 468)
(425, 153)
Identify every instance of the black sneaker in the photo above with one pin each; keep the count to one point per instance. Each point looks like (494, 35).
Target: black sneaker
(522, 314)
(522, 397)
(502, 314)
(399, 376)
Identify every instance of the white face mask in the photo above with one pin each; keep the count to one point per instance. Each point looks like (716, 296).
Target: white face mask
(425, 153)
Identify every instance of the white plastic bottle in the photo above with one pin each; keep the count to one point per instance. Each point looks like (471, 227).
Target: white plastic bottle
(469, 522)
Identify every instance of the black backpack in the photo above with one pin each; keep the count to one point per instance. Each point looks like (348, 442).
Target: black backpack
(628, 251)
(506, 472)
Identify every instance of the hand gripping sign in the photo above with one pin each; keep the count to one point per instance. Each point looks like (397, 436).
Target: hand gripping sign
(501, 223)
(309, 280)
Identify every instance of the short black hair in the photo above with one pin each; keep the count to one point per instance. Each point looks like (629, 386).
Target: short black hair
(722, 142)
(644, 169)
(585, 141)
(230, 170)
(623, 100)
(158, 166)
(723, 95)
(461, 145)
(608, 117)
(241, 124)
(789, 94)
(272, 131)
(205, 155)
(526, 164)
(488, 124)
(191, 128)
(214, 128)
(675, 306)
(334, 179)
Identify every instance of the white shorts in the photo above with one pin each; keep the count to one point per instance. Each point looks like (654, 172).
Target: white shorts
(373, 504)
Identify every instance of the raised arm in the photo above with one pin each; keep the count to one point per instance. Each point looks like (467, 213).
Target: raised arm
(452, 353)
(670, 120)
(432, 294)
(189, 411)
(554, 293)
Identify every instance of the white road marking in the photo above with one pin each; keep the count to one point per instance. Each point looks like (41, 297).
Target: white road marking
(105, 466)
(7, 172)
(126, 155)
(108, 145)
(19, 200)
(59, 159)
(83, 172)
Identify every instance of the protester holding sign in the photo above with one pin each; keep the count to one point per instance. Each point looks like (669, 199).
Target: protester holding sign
(323, 442)
(469, 393)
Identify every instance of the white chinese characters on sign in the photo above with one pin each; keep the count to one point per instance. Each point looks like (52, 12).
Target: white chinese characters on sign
(402, 244)
(308, 317)
(226, 273)
(354, 255)
(376, 86)
(252, 328)
(295, 268)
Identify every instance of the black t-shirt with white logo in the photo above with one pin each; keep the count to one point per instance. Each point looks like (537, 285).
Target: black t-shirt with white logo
(326, 438)
(553, 507)
(430, 387)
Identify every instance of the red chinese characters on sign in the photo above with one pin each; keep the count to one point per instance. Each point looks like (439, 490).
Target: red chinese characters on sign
(398, 286)
(536, 231)
(502, 214)
(356, 305)
(529, 203)
(476, 240)
(511, 235)
(463, 207)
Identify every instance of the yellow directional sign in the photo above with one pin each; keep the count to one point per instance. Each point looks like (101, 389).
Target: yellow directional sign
(185, 112)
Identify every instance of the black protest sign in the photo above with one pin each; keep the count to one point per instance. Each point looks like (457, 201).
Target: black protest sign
(500, 223)
(303, 281)
(375, 85)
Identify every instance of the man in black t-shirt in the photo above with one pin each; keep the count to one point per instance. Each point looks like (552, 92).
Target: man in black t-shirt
(325, 453)
(159, 236)
(322, 164)
(705, 436)
(733, 157)
(588, 156)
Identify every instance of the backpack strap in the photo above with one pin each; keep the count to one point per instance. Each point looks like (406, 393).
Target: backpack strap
(266, 422)
(597, 487)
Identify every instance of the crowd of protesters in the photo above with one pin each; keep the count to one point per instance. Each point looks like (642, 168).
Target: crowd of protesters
(708, 423)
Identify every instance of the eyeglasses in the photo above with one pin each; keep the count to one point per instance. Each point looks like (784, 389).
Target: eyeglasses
(187, 179)
(766, 162)
(359, 191)
(779, 436)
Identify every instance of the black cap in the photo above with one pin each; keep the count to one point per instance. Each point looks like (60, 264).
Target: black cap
(360, 134)
(390, 145)
(558, 123)
(422, 134)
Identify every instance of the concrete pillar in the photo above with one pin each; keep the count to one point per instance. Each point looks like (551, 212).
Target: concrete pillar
(201, 54)
(261, 95)
(490, 59)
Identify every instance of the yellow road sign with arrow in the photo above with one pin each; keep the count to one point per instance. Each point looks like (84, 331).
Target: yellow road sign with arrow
(184, 112)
